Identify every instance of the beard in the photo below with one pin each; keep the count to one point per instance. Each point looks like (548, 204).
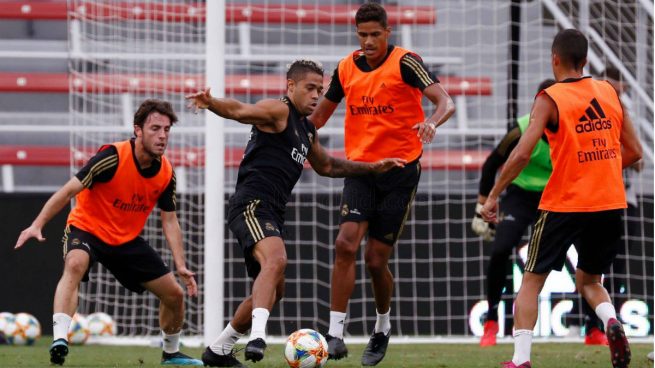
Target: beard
(152, 151)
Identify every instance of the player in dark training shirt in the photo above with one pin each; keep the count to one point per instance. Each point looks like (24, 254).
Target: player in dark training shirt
(280, 140)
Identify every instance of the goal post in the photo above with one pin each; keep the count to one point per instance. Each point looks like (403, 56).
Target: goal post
(213, 287)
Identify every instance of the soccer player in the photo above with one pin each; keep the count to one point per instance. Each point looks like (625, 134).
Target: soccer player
(115, 193)
(591, 139)
(280, 140)
(519, 209)
(383, 85)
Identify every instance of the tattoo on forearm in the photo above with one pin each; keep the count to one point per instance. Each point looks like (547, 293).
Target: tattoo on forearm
(343, 168)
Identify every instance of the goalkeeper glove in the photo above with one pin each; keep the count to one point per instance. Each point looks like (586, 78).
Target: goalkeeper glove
(486, 230)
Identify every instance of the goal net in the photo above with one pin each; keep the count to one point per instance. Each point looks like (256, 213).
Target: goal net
(489, 55)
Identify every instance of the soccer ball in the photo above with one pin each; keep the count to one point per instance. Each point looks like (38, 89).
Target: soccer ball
(6, 319)
(78, 332)
(306, 348)
(26, 329)
(101, 324)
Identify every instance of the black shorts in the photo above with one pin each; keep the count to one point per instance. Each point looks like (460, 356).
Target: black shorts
(132, 263)
(518, 210)
(595, 235)
(384, 200)
(250, 222)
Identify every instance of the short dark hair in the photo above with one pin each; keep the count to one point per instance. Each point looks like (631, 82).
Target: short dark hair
(613, 74)
(571, 46)
(371, 12)
(299, 68)
(153, 105)
(545, 84)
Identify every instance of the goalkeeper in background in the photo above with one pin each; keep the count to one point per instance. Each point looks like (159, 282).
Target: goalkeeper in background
(519, 210)
(115, 193)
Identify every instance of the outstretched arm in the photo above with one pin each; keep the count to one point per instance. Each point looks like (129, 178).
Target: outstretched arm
(49, 210)
(173, 235)
(265, 112)
(326, 165)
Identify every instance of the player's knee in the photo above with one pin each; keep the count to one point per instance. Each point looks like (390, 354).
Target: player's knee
(277, 265)
(178, 293)
(583, 279)
(346, 248)
(174, 297)
(76, 266)
(581, 283)
(375, 263)
(532, 283)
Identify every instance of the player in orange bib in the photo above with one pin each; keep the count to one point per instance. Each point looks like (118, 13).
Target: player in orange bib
(382, 85)
(591, 139)
(115, 193)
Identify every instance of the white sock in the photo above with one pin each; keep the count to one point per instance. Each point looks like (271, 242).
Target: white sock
(259, 319)
(225, 342)
(337, 324)
(382, 324)
(171, 343)
(522, 346)
(60, 324)
(605, 311)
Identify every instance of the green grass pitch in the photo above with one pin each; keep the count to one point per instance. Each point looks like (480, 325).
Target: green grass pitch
(544, 355)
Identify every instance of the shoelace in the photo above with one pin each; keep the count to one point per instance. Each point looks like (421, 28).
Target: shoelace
(234, 352)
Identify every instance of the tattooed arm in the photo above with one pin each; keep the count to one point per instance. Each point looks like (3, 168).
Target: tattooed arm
(326, 165)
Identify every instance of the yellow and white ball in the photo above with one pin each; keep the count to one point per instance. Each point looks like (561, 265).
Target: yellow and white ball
(26, 329)
(78, 332)
(6, 321)
(306, 348)
(101, 324)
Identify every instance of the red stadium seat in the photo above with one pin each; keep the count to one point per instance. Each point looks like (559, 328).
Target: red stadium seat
(259, 13)
(178, 83)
